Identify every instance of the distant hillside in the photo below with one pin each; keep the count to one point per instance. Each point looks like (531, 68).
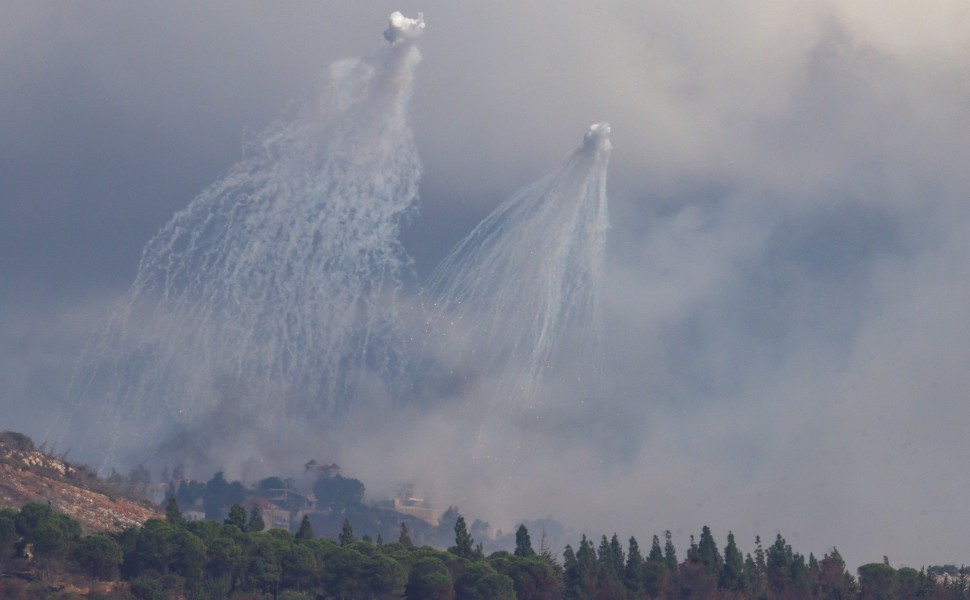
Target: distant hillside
(27, 474)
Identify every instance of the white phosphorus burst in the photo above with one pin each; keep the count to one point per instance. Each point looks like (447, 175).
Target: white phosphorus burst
(274, 290)
(518, 299)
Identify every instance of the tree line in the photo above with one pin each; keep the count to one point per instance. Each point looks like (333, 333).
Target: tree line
(237, 558)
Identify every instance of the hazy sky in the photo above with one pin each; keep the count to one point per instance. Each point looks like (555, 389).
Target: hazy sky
(788, 273)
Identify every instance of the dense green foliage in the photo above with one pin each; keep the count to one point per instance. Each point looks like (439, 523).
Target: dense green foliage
(209, 560)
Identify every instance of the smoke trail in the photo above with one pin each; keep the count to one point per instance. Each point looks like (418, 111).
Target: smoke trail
(517, 301)
(269, 301)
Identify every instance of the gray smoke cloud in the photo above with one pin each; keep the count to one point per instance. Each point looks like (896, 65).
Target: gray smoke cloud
(786, 272)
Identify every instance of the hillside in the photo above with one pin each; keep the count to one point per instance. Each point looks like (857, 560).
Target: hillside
(28, 474)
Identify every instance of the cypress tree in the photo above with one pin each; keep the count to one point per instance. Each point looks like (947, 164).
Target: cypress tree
(752, 578)
(173, 514)
(404, 539)
(670, 553)
(346, 534)
(633, 573)
(306, 530)
(656, 554)
(464, 544)
(778, 565)
(693, 552)
(732, 576)
(708, 554)
(587, 567)
(256, 522)
(759, 556)
(237, 517)
(523, 544)
(617, 558)
(571, 576)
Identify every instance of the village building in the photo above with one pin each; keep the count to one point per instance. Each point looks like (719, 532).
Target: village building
(274, 516)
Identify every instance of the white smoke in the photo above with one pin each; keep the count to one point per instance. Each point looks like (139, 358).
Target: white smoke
(403, 28)
(270, 302)
(598, 137)
(750, 138)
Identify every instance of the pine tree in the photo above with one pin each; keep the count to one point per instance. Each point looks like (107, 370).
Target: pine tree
(617, 558)
(656, 554)
(633, 573)
(778, 565)
(306, 530)
(173, 514)
(571, 576)
(346, 534)
(605, 559)
(800, 576)
(587, 568)
(523, 544)
(404, 539)
(732, 575)
(237, 517)
(693, 552)
(256, 522)
(832, 580)
(464, 544)
(751, 580)
(610, 559)
(670, 553)
(708, 554)
(758, 576)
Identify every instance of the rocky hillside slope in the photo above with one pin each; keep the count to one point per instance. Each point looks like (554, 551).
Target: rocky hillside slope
(30, 475)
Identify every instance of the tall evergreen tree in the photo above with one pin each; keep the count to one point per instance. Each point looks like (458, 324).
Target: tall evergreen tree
(306, 530)
(237, 517)
(693, 552)
(751, 578)
(708, 554)
(778, 565)
(404, 538)
(523, 543)
(617, 557)
(832, 580)
(607, 560)
(799, 576)
(759, 576)
(732, 576)
(346, 534)
(656, 553)
(633, 572)
(173, 514)
(759, 557)
(610, 559)
(256, 522)
(572, 579)
(464, 544)
(670, 553)
(588, 569)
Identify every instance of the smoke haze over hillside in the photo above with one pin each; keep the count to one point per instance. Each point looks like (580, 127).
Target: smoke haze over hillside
(785, 279)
